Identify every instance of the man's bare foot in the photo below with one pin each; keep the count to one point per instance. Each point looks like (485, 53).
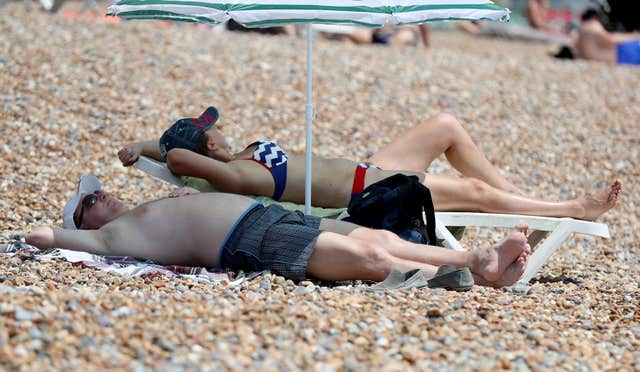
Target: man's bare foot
(491, 263)
(513, 272)
(597, 204)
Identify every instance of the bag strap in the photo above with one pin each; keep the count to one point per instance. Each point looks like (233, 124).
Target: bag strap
(430, 214)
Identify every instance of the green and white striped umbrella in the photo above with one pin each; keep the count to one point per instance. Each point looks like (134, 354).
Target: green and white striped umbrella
(265, 13)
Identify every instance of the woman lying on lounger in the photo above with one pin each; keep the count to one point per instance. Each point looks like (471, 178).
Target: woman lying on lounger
(196, 147)
(234, 231)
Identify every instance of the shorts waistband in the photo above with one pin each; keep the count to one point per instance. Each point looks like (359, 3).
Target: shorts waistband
(256, 206)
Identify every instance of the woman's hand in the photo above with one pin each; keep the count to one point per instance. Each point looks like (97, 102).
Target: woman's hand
(130, 153)
(182, 192)
(41, 237)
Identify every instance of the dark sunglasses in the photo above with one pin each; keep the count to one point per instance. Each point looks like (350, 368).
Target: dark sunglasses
(87, 202)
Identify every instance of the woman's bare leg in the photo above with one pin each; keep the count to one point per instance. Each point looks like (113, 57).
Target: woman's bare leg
(473, 195)
(441, 134)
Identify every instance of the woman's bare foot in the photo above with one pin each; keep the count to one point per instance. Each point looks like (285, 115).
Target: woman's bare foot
(597, 204)
(491, 263)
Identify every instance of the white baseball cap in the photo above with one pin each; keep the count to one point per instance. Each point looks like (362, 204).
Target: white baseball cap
(88, 184)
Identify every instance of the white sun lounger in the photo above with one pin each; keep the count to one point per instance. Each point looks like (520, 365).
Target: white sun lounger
(158, 169)
(555, 230)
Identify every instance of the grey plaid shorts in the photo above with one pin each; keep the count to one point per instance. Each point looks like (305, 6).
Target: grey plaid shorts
(272, 238)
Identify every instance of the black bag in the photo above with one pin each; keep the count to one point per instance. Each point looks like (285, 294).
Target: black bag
(397, 203)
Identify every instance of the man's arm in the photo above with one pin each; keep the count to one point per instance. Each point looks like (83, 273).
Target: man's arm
(621, 37)
(219, 174)
(130, 153)
(605, 38)
(92, 241)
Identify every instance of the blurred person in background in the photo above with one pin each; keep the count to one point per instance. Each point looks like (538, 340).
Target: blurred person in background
(543, 24)
(596, 43)
(289, 30)
(387, 35)
(541, 16)
(619, 15)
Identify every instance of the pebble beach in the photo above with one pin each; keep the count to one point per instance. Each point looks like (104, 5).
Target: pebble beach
(74, 89)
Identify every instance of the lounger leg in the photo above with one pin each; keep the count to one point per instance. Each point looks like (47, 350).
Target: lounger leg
(536, 236)
(450, 241)
(546, 249)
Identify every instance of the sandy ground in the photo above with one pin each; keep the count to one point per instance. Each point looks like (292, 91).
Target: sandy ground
(73, 90)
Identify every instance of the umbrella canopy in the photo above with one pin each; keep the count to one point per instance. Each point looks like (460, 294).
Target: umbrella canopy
(267, 13)
(264, 13)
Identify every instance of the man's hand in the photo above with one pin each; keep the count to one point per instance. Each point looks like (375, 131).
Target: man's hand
(130, 153)
(182, 192)
(41, 237)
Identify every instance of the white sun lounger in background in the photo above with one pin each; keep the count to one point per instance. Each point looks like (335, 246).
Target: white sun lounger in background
(555, 230)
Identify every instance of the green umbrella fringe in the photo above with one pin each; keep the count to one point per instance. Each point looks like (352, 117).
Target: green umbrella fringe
(355, 9)
(502, 19)
(161, 14)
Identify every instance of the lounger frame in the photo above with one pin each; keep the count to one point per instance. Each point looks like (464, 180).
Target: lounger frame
(554, 231)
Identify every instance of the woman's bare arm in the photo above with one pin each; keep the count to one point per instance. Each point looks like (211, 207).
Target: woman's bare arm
(130, 153)
(219, 174)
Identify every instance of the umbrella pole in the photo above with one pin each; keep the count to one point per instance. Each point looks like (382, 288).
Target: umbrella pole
(309, 119)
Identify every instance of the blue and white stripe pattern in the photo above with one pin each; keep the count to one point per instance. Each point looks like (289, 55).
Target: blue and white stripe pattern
(270, 154)
(274, 158)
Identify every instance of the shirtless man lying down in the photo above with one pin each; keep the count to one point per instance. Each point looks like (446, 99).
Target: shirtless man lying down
(234, 231)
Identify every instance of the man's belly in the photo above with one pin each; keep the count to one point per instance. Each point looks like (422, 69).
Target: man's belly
(188, 230)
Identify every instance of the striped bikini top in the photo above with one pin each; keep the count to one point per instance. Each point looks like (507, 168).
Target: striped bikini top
(274, 158)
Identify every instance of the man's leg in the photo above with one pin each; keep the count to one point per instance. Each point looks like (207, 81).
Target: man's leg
(471, 194)
(339, 257)
(496, 265)
(366, 250)
(441, 134)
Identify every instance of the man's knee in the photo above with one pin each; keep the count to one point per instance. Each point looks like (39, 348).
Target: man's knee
(376, 236)
(374, 256)
(384, 237)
